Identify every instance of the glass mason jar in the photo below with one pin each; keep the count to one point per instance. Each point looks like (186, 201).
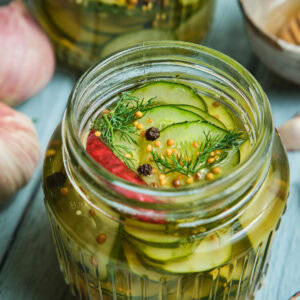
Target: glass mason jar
(99, 226)
(84, 31)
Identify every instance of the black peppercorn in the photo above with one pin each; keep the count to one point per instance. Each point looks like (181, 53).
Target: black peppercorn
(152, 134)
(145, 169)
(56, 180)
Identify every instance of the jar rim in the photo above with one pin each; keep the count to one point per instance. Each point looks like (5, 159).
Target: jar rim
(262, 146)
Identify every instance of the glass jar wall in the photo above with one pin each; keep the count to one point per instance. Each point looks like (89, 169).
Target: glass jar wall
(216, 237)
(87, 30)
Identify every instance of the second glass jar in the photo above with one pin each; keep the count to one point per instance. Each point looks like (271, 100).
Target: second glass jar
(88, 30)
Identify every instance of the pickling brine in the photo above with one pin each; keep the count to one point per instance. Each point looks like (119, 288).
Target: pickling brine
(166, 187)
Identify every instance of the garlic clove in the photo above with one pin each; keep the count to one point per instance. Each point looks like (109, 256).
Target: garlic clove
(19, 151)
(290, 133)
(26, 56)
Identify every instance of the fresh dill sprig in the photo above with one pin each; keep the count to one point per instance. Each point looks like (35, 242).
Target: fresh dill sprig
(120, 120)
(184, 164)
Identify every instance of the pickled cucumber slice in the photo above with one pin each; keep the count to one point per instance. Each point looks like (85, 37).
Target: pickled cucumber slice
(138, 268)
(130, 39)
(207, 117)
(165, 115)
(170, 93)
(209, 254)
(220, 112)
(184, 134)
(163, 254)
(151, 236)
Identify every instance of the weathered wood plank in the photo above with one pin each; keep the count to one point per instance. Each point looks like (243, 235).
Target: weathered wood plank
(46, 108)
(31, 269)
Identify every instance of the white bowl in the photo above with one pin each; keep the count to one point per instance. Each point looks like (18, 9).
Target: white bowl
(263, 20)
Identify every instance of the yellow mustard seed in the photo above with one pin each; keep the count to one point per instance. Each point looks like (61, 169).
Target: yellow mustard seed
(161, 176)
(128, 155)
(154, 171)
(169, 152)
(211, 160)
(150, 158)
(149, 148)
(143, 133)
(150, 5)
(163, 182)
(210, 176)
(157, 144)
(212, 154)
(78, 212)
(98, 133)
(139, 114)
(195, 144)
(198, 176)
(64, 190)
(140, 126)
(190, 180)
(217, 152)
(170, 142)
(149, 120)
(51, 152)
(92, 212)
(154, 184)
(216, 170)
(135, 123)
(101, 238)
(217, 157)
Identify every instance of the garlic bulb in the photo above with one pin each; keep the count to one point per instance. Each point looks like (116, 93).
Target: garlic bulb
(19, 151)
(290, 133)
(26, 56)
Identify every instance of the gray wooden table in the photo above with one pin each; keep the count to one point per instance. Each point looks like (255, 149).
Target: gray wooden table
(28, 265)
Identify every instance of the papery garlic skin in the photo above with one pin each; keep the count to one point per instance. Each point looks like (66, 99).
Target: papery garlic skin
(26, 56)
(290, 134)
(19, 151)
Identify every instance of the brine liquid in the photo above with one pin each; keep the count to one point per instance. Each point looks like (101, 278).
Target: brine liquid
(86, 31)
(100, 260)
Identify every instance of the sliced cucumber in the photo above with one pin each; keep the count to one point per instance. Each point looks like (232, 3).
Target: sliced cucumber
(220, 112)
(184, 134)
(164, 115)
(207, 117)
(130, 39)
(165, 254)
(166, 92)
(138, 268)
(209, 254)
(66, 21)
(256, 220)
(152, 237)
(245, 150)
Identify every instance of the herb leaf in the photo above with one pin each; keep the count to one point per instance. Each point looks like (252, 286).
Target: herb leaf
(120, 120)
(184, 164)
